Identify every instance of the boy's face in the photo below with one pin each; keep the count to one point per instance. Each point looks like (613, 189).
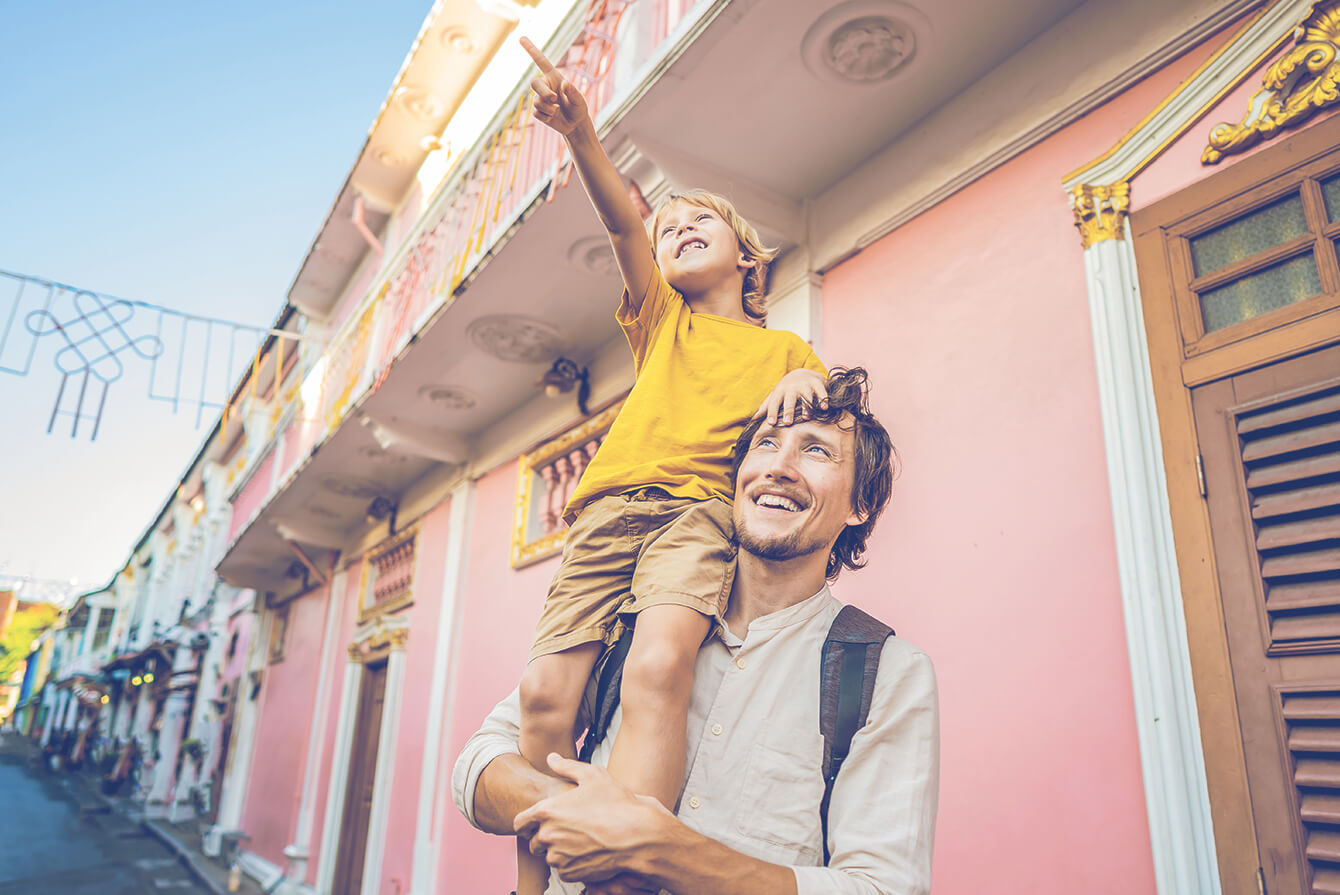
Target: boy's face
(696, 248)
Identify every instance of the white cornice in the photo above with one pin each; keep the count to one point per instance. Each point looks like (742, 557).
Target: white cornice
(1238, 58)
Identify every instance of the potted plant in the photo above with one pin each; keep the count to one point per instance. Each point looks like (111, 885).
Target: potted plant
(193, 750)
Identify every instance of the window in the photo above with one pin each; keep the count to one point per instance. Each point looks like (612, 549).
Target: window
(547, 477)
(1260, 260)
(278, 634)
(388, 577)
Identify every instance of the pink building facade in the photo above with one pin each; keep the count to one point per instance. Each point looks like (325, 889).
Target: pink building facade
(1032, 229)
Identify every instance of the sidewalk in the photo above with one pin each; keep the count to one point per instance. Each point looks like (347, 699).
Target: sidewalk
(182, 840)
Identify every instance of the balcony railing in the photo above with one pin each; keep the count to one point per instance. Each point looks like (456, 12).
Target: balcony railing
(516, 163)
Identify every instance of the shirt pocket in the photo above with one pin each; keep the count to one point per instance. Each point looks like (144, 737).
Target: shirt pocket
(779, 804)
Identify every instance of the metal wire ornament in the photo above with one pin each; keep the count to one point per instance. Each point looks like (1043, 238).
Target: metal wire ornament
(93, 339)
(192, 360)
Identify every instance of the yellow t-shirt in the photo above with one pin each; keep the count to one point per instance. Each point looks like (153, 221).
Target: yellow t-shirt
(700, 378)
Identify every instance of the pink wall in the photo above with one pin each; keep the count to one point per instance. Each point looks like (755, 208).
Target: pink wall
(430, 558)
(497, 627)
(280, 749)
(997, 554)
(347, 619)
(252, 496)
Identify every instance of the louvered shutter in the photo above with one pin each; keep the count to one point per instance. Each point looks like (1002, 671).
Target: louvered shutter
(1271, 445)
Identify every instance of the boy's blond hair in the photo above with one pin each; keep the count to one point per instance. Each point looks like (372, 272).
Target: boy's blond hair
(751, 246)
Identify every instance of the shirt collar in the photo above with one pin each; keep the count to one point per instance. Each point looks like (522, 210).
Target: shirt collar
(795, 614)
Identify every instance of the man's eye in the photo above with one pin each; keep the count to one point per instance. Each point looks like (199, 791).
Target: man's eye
(819, 449)
(765, 442)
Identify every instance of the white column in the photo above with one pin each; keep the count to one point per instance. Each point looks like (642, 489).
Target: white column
(300, 849)
(428, 825)
(339, 776)
(1176, 793)
(385, 771)
(237, 773)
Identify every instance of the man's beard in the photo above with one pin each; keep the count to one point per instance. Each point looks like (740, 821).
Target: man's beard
(777, 549)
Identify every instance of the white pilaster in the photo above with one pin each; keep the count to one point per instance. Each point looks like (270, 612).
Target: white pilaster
(339, 776)
(300, 849)
(1176, 793)
(384, 773)
(237, 771)
(428, 823)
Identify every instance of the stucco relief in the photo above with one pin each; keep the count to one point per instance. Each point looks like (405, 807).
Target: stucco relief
(1296, 87)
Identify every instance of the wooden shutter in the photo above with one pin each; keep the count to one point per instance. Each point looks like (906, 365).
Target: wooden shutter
(1271, 444)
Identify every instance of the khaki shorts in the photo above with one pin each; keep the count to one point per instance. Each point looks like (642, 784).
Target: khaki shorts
(630, 551)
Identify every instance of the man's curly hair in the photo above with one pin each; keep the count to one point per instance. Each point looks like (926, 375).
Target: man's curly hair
(848, 397)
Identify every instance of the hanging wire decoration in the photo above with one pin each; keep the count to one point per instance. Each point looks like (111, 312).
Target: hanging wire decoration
(193, 361)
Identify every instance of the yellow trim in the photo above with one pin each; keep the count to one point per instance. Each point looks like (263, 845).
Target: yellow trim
(1181, 88)
(523, 553)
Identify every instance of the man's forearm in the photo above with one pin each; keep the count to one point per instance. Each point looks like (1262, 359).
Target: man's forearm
(507, 786)
(682, 860)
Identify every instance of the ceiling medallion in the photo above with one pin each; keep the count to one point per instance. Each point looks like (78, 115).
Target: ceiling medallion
(419, 103)
(376, 454)
(517, 339)
(390, 158)
(457, 40)
(448, 397)
(359, 488)
(862, 42)
(593, 255)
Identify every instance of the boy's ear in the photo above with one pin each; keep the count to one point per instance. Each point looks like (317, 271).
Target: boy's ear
(746, 262)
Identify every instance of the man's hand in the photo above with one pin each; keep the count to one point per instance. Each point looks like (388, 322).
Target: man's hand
(558, 104)
(792, 397)
(592, 833)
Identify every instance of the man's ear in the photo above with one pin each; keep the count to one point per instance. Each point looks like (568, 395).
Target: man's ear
(857, 517)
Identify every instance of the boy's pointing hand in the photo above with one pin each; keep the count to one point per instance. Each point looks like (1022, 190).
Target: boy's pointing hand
(558, 104)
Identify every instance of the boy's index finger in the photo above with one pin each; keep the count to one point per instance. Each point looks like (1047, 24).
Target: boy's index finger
(541, 61)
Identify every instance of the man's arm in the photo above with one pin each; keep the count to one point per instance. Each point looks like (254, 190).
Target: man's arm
(491, 783)
(561, 106)
(881, 816)
(600, 829)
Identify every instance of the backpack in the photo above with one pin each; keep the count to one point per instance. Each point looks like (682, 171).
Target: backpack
(846, 686)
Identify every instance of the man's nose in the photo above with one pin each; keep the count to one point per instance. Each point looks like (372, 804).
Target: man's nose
(782, 464)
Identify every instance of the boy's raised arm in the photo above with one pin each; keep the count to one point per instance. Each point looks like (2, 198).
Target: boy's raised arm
(561, 106)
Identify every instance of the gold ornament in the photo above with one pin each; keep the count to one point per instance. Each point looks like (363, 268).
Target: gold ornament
(1294, 89)
(1100, 211)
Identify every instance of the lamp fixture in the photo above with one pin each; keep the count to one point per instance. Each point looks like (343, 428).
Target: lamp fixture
(382, 508)
(561, 378)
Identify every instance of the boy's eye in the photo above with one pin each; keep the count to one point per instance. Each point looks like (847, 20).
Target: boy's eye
(703, 217)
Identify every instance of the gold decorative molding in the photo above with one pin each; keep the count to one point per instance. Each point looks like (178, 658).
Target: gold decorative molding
(1100, 211)
(526, 550)
(1298, 86)
(401, 594)
(377, 639)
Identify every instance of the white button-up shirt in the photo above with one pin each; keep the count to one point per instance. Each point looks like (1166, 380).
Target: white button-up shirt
(754, 776)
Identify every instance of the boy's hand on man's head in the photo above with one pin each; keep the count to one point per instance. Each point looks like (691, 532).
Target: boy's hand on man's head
(558, 104)
(792, 397)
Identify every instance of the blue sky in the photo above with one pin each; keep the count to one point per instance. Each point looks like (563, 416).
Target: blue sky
(178, 154)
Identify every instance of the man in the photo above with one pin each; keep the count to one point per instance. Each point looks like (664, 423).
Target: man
(806, 497)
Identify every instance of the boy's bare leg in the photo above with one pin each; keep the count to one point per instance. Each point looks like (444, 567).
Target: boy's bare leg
(650, 750)
(551, 693)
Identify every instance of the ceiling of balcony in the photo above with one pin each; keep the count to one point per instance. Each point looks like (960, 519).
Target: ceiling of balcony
(775, 101)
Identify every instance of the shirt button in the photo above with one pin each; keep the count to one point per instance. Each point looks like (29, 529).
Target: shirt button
(694, 802)
(741, 663)
(716, 729)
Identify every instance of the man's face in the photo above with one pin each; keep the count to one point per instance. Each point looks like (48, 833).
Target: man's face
(794, 488)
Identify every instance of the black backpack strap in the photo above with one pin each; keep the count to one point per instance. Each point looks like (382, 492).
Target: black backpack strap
(608, 679)
(847, 674)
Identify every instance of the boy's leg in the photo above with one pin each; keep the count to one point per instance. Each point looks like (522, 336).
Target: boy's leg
(551, 693)
(650, 750)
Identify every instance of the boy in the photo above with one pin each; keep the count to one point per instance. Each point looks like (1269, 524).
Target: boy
(651, 516)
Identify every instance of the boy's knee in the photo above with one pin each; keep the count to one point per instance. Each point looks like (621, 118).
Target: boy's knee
(541, 694)
(658, 670)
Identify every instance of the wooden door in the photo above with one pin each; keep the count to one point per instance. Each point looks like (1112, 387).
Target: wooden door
(362, 773)
(1270, 439)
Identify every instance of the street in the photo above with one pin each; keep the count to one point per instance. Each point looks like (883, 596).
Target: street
(59, 840)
